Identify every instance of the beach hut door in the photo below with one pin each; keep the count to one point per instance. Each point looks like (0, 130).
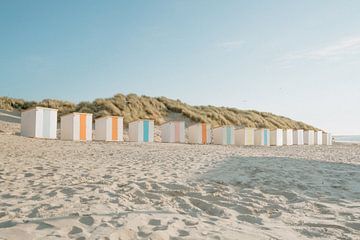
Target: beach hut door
(146, 131)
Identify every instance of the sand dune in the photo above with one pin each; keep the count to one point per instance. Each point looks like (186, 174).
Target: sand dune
(53, 189)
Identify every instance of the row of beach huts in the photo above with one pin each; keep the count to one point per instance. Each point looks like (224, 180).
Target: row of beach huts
(40, 122)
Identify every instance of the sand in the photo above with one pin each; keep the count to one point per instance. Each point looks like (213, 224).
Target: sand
(52, 189)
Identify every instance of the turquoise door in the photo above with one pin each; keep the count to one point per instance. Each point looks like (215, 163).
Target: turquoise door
(265, 137)
(228, 135)
(146, 131)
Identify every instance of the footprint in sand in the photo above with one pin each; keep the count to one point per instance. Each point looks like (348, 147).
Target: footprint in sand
(43, 225)
(190, 222)
(7, 224)
(154, 222)
(144, 231)
(183, 233)
(34, 213)
(160, 228)
(87, 220)
(75, 230)
(250, 219)
(69, 192)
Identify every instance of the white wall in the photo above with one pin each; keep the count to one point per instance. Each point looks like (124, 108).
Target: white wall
(101, 129)
(318, 138)
(288, 137)
(309, 137)
(276, 137)
(28, 123)
(298, 137)
(34, 123)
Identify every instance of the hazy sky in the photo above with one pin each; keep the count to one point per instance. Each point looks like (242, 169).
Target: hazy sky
(295, 58)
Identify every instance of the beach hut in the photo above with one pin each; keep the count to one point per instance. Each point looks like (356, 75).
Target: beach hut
(298, 137)
(318, 138)
(326, 139)
(109, 128)
(276, 137)
(173, 132)
(39, 122)
(224, 135)
(288, 137)
(262, 137)
(199, 133)
(141, 131)
(76, 126)
(244, 136)
(309, 137)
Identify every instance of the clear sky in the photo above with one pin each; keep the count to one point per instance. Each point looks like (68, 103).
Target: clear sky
(295, 58)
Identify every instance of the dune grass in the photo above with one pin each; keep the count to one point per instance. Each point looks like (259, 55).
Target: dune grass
(161, 109)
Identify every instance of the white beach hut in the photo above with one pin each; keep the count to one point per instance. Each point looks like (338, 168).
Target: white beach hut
(298, 137)
(318, 138)
(199, 133)
(309, 137)
(288, 137)
(173, 132)
(262, 137)
(141, 131)
(224, 135)
(326, 139)
(76, 127)
(39, 122)
(276, 137)
(244, 136)
(109, 128)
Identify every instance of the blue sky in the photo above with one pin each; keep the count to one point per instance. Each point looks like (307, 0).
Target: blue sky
(295, 58)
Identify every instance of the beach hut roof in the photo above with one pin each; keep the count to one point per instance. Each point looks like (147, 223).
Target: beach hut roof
(237, 128)
(172, 121)
(108, 117)
(76, 113)
(223, 126)
(139, 120)
(195, 124)
(38, 107)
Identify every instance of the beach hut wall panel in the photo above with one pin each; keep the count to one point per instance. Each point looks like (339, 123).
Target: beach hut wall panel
(76, 127)
(109, 128)
(318, 138)
(262, 137)
(309, 137)
(326, 139)
(276, 137)
(224, 135)
(244, 136)
(39, 122)
(199, 133)
(298, 137)
(141, 131)
(288, 137)
(173, 132)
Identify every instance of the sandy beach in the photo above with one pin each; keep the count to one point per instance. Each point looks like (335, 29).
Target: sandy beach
(52, 189)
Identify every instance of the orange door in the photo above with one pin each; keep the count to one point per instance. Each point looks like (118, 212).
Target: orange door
(114, 128)
(83, 127)
(203, 136)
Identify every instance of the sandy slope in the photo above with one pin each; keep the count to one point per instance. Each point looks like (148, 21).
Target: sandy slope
(53, 189)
